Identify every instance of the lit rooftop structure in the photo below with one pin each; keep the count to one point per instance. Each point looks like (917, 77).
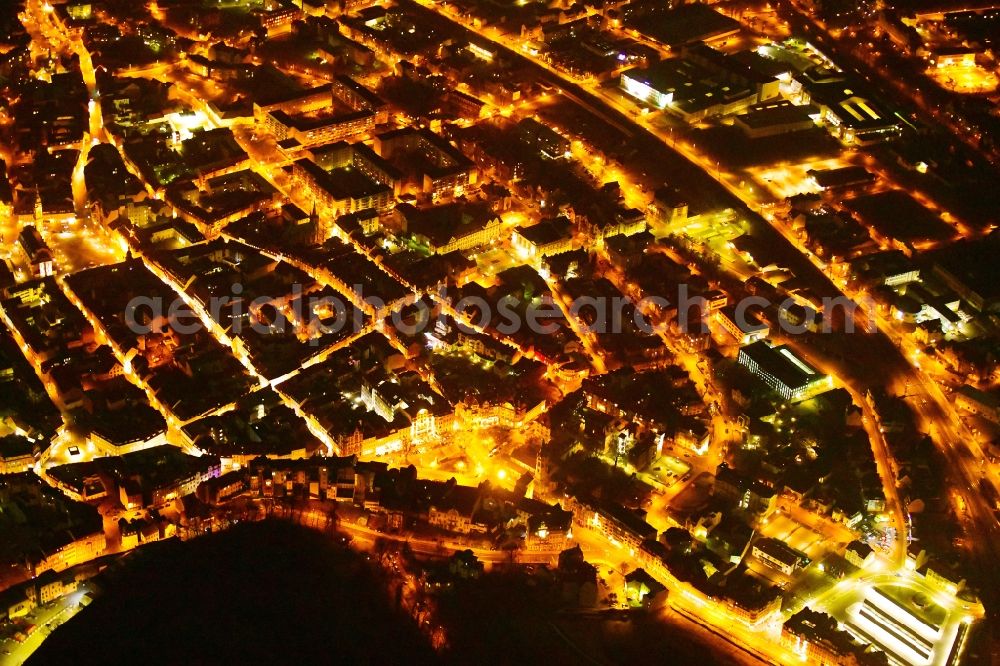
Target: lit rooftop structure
(701, 82)
(851, 115)
(782, 370)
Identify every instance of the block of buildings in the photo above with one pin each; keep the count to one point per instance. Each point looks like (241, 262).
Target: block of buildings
(328, 113)
(429, 163)
(817, 639)
(455, 226)
(644, 591)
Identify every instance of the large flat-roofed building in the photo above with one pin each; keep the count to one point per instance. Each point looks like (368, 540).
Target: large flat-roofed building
(841, 177)
(891, 268)
(543, 138)
(774, 118)
(850, 115)
(970, 268)
(783, 371)
(653, 85)
(702, 82)
(745, 69)
(677, 25)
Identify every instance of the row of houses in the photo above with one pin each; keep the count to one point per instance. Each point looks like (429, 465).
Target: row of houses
(404, 499)
(20, 600)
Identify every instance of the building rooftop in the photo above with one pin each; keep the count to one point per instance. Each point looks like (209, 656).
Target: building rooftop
(973, 264)
(841, 177)
(778, 550)
(38, 519)
(641, 576)
(680, 25)
(120, 427)
(343, 183)
(780, 113)
(851, 104)
(629, 519)
(745, 65)
(15, 446)
(442, 224)
(746, 321)
(667, 75)
(989, 399)
(548, 231)
(781, 363)
(860, 548)
(367, 98)
(820, 628)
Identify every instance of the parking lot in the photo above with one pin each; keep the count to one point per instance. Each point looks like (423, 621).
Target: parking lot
(796, 535)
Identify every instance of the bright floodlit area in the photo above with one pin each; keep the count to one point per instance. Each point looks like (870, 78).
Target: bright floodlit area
(965, 78)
